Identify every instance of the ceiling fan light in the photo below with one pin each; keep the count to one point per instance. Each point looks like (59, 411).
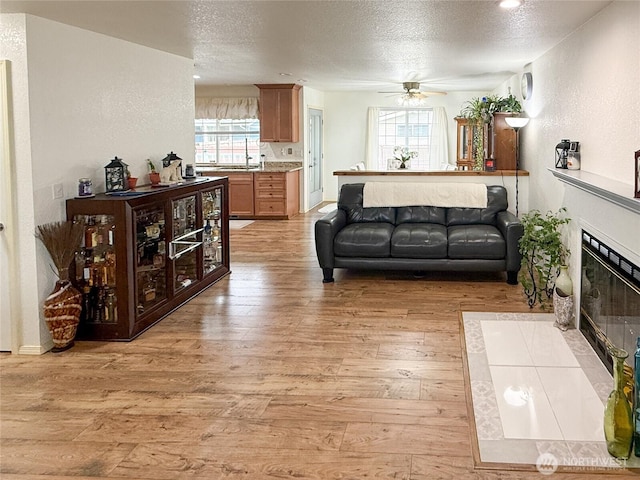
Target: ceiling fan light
(411, 100)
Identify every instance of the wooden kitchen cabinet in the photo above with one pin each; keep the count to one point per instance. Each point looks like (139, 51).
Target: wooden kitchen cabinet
(276, 194)
(146, 252)
(279, 112)
(240, 194)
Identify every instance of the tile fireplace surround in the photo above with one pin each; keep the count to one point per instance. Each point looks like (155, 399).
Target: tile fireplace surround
(536, 390)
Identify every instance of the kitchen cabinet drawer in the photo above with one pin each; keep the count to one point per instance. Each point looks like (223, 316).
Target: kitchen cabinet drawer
(270, 181)
(267, 207)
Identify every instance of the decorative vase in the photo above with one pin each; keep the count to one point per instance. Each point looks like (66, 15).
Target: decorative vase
(563, 281)
(403, 165)
(618, 420)
(62, 313)
(132, 181)
(563, 309)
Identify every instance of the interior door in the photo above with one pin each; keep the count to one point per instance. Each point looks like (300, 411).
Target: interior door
(315, 157)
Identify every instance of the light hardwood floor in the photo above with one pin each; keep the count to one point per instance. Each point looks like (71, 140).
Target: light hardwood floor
(268, 374)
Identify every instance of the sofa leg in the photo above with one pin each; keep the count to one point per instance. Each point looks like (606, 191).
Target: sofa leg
(512, 278)
(328, 275)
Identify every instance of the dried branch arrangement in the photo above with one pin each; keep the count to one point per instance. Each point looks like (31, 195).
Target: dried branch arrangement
(61, 239)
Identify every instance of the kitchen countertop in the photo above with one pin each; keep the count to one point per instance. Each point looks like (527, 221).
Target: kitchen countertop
(268, 167)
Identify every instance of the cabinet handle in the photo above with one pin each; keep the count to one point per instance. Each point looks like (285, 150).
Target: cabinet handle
(174, 254)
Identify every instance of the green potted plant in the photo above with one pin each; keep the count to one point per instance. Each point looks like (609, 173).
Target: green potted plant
(131, 181)
(479, 112)
(154, 175)
(543, 254)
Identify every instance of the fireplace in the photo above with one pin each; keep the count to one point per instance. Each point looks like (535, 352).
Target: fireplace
(609, 300)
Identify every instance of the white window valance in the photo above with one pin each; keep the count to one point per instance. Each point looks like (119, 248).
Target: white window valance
(226, 108)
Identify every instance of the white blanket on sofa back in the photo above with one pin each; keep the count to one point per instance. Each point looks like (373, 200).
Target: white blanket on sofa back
(396, 194)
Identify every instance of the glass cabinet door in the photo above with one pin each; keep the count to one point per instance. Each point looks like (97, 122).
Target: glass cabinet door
(95, 269)
(185, 242)
(151, 252)
(212, 235)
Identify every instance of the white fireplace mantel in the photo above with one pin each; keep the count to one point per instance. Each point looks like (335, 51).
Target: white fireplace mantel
(611, 190)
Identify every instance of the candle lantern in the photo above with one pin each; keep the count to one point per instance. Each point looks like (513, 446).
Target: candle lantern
(115, 177)
(166, 161)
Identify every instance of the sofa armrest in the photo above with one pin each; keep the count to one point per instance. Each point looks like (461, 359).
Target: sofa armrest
(512, 230)
(326, 229)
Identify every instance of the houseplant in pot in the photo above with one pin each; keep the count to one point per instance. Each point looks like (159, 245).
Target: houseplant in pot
(63, 306)
(154, 175)
(403, 155)
(543, 255)
(480, 111)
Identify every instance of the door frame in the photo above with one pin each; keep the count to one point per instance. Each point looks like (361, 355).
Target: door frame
(321, 161)
(10, 302)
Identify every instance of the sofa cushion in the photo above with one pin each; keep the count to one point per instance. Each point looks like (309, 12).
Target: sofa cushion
(496, 202)
(421, 215)
(350, 200)
(475, 241)
(364, 240)
(419, 240)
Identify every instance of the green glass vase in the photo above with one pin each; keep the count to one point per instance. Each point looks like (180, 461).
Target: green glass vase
(618, 420)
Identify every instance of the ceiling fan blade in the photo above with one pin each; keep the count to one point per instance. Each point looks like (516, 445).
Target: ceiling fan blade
(430, 94)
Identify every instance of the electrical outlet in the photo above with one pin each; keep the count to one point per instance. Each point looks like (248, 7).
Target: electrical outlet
(57, 190)
(289, 151)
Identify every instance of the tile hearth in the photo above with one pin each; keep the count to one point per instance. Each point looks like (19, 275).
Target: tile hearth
(536, 390)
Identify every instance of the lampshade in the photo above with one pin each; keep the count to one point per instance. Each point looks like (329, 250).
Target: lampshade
(516, 122)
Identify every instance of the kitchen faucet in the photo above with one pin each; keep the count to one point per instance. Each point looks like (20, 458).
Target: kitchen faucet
(246, 153)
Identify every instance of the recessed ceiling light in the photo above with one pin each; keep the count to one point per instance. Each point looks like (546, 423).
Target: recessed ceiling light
(283, 74)
(196, 76)
(511, 3)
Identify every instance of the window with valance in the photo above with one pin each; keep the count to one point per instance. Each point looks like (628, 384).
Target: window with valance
(227, 130)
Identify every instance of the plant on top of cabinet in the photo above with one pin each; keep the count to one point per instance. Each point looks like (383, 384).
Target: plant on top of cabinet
(479, 112)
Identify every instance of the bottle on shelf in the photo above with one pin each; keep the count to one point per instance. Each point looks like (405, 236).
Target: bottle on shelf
(111, 312)
(90, 233)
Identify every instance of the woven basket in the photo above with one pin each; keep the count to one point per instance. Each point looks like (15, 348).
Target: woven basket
(62, 313)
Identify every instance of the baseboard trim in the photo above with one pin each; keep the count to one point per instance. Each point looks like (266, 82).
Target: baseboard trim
(35, 349)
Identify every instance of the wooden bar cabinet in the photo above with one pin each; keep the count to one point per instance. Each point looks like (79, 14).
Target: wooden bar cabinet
(146, 252)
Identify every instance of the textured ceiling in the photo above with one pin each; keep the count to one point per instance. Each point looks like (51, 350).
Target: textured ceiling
(335, 45)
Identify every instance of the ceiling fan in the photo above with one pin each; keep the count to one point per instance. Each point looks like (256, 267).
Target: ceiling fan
(412, 94)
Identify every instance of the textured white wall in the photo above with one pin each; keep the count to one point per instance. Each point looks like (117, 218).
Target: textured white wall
(587, 89)
(90, 97)
(13, 44)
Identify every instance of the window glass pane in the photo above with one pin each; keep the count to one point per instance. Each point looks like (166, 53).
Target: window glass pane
(226, 142)
(410, 128)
